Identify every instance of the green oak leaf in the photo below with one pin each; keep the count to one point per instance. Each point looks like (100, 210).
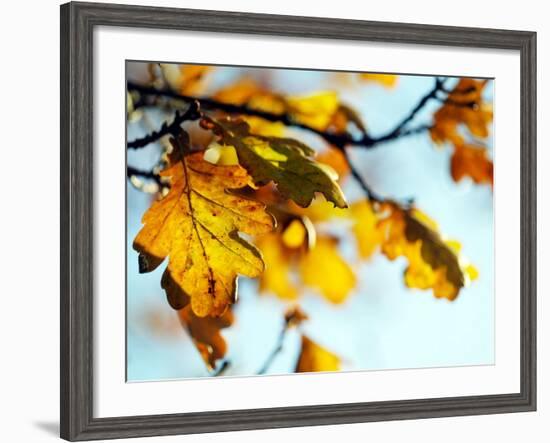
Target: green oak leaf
(285, 161)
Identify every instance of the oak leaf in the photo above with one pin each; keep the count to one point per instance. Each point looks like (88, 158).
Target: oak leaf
(276, 276)
(343, 117)
(315, 358)
(293, 261)
(250, 93)
(387, 80)
(433, 262)
(336, 160)
(285, 161)
(319, 211)
(366, 228)
(471, 161)
(464, 106)
(196, 225)
(206, 333)
(320, 110)
(314, 110)
(186, 79)
(323, 268)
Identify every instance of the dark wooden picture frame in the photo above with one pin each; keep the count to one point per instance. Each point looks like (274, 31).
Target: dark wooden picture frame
(78, 21)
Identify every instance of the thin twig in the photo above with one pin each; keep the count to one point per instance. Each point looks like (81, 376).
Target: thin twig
(449, 101)
(192, 113)
(371, 195)
(400, 128)
(225, 364)
(276, 350)
(131, 172)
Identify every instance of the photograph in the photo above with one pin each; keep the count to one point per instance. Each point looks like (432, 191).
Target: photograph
(283, 221)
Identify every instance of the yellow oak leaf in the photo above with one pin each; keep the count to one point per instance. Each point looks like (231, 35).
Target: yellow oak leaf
(294, 259)
(206, 333)
(365, 228)
(433, 263)
(221, 155)
(315, 358)
(197, 226)
(275, 277)
(387, 80)
(320, 110)
(323, 268)
(294, 234)
(319, 210)
(315, 110)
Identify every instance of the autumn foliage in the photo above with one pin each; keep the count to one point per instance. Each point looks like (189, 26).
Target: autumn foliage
(237, 194)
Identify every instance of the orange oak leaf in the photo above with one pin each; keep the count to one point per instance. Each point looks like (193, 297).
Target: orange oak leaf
(206, 333)
(471, 161)
(465, 106)
(295, 316)
(186, 79)
(197, 226)
(336, 160)
(249, 92)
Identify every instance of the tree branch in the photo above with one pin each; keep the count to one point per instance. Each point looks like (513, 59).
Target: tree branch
(337, 140)
(340, 141)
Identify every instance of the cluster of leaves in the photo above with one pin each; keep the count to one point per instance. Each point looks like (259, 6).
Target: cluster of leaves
(244, 199)
(465, 111)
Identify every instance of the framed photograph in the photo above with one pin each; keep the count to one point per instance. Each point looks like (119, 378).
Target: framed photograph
(272, 221)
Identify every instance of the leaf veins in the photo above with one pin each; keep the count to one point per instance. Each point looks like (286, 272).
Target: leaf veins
(197, 226)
